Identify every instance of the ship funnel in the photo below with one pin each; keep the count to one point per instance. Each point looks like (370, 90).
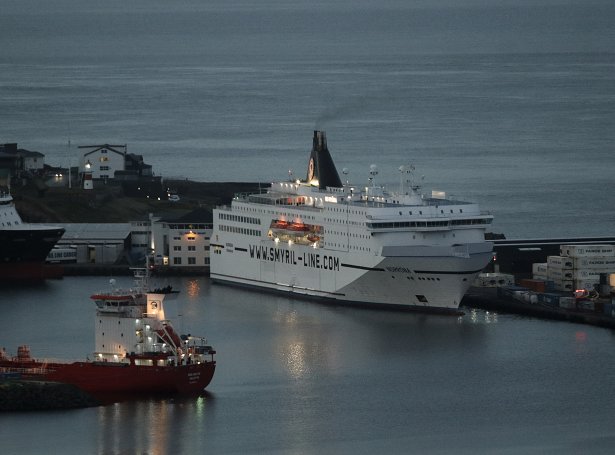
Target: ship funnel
(321, 170)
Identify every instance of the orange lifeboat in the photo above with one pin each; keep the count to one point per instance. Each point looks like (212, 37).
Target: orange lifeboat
(280, 224)
(299, 227)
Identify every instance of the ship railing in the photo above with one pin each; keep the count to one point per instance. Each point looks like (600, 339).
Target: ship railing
(244, 196)
(48, 360)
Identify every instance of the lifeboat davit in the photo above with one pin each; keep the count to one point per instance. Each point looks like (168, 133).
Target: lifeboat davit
(168, 335)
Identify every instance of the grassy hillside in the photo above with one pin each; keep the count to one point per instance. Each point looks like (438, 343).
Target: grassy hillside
(38, 203)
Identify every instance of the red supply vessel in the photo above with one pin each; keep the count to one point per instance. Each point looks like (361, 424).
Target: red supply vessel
(137, 351)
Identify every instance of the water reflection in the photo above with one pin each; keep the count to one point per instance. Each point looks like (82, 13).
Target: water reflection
(193, 288)
(480, 317)
(295, 359)
(153, 426)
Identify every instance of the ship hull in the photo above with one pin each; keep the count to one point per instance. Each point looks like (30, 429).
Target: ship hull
(103, 380)
(410, 280)
(23, 252)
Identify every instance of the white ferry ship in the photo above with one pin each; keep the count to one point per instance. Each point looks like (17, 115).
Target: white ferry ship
(321, 238)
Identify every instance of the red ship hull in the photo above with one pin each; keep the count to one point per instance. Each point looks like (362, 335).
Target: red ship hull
(10, 271)
(104, 379)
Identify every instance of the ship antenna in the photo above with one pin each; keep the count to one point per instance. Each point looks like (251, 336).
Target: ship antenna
(69, 159)
(345, 172)
(404, 170)
(373, 172)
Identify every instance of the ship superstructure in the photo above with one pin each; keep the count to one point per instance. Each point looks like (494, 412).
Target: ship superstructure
(324, 238)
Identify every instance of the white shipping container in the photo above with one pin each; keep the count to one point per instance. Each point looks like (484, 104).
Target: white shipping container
(584, 284)
(560, 274)
(539, 267)
(580, 251)
(540, 277)
(587, 274)
(563, 285)
(559, 262)
(598, 263)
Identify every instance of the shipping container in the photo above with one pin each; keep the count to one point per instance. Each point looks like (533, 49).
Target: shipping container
(560, 274)
(564, 285)
(580, 251)
(590, 285)
(587, 274)
(533, 285)
(596, 264)
(559, 262)
(612, 279)
(539, 268)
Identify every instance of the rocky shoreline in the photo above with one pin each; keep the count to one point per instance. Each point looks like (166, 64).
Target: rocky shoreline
(22, 395)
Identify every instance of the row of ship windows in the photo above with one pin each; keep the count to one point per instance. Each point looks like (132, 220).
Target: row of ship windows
(348, 234)
(345, 210)
(191, 261)
(8, 223)
(190, 226)
(190, 247)
(288, 215)
(240, 230)
(335, 220)
(351, 247)
(412, 224)
(189, 238)
(238, 218)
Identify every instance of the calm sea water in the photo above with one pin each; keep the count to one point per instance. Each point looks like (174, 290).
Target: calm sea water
(510, 103)
(301, 377)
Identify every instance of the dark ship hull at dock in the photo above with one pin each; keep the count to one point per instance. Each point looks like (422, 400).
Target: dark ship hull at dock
(23, 251)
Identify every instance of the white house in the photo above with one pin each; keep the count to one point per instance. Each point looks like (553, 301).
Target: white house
(32, 161)
(103, 160)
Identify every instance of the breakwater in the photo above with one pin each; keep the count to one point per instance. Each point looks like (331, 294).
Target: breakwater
(21, 395)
